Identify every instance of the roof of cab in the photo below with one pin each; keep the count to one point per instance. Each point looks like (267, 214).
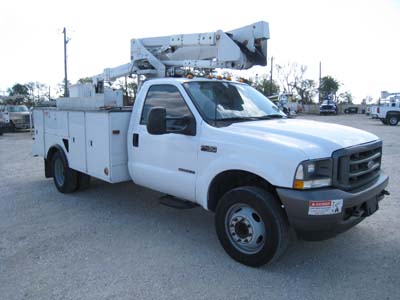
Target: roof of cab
(184, 80)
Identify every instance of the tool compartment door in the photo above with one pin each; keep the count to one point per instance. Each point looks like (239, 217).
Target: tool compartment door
(97, 145)
(38, 145)
(77, 141)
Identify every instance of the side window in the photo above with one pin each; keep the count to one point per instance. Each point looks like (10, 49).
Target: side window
(169, 97)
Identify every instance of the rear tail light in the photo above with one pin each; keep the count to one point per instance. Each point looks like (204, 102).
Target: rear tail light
(378, 110)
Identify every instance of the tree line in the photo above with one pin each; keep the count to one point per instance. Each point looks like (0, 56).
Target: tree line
(290, 79)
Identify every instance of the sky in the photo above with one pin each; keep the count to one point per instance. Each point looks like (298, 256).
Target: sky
(357, 42)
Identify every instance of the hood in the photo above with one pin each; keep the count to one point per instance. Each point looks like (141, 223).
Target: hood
(18, 114)
(315, 139)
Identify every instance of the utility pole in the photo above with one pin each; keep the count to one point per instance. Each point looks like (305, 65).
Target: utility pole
(319, 84)
(270, 77)
(66, 90)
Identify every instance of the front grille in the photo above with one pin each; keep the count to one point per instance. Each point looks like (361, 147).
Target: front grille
(26, 119)
(357, 166)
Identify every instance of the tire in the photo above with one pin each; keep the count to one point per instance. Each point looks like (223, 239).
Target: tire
(392, 120)
(12, 127)
(83, 181)
(251, 226)
(65, 179)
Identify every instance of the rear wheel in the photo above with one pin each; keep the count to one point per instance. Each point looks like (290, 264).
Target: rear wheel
(393, 120)
(65, 179)
(251, 226)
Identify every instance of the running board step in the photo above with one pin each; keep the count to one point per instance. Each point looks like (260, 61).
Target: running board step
(173, 202)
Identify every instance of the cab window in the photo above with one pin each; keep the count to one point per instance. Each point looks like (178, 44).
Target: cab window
(169, 97)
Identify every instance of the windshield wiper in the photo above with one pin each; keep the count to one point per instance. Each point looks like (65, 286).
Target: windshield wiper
(234, 119)
(268, 117)
(244, 119)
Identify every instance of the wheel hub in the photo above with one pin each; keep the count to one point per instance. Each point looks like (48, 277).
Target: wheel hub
(245, 228)
(241, 229)
(59, 172)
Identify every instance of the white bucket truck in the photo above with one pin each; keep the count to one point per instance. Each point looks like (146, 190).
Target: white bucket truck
(216, 143)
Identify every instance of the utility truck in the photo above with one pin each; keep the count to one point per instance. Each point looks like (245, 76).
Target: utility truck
(214, 143)
(389, 111)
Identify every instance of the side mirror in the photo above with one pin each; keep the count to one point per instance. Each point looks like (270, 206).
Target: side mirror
(156, 121)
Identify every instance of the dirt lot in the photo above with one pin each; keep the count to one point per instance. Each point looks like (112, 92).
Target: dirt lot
(118, 242)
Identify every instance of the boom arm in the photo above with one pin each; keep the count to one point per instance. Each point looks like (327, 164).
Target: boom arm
(240, 48)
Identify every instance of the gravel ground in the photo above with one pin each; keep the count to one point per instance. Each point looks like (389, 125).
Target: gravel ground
(118, 242)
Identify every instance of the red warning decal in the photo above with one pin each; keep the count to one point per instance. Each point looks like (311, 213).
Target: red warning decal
(320, 203)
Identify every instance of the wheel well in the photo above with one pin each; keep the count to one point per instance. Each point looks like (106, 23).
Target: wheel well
(393, 113)
(231, 179)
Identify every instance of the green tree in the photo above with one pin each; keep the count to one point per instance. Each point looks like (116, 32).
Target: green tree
(329, 86)
(267, 87)
(18, 89)
(345, 97)
(85, 80)
(306, 90)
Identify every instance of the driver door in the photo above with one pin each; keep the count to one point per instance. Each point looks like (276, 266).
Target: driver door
(167, 162)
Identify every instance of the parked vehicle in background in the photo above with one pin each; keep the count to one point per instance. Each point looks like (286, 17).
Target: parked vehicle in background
(18, 116)
(374, 112)
(328, 107)
(351, 110)
(3, 126)
(389, 112)
(4, 120)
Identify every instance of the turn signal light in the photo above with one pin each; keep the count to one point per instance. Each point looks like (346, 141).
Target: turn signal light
(298, 184)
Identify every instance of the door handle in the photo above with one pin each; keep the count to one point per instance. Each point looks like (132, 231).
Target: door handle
(135, 140)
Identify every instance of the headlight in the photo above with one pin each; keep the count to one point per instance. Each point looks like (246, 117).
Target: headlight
(313, 174)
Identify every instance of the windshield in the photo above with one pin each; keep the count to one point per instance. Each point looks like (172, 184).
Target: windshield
(230, 102)
(327, 102)
(19, 108)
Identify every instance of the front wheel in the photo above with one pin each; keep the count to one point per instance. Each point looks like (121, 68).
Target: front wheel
(251, 226)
